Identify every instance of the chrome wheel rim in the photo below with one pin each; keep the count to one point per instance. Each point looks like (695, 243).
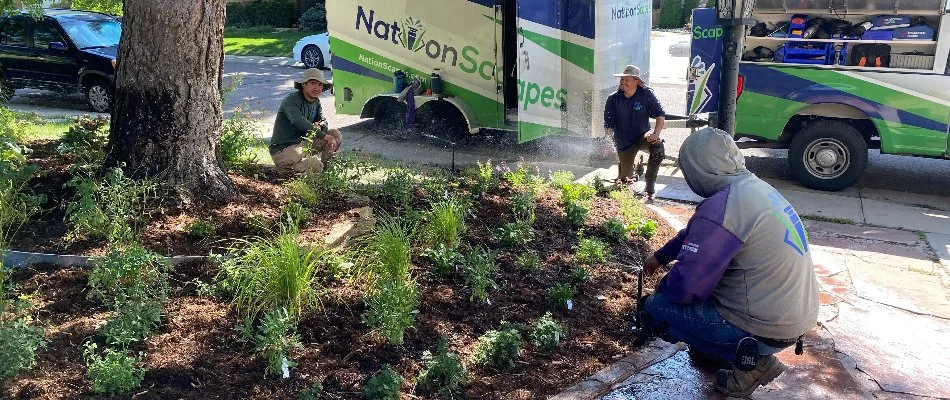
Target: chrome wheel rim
(99, 98)
(311, 57)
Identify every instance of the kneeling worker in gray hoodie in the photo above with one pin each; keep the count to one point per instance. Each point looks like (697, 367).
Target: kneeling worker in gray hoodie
(742, 269)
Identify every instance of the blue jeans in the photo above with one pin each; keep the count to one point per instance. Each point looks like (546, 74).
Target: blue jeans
(700, 326)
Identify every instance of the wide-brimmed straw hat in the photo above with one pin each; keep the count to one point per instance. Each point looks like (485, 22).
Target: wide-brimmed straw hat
(630, 70)
(313, 74)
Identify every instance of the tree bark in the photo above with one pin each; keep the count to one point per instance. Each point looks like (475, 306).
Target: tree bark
(166, 122)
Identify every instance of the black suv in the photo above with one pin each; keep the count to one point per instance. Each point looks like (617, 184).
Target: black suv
(66, 51)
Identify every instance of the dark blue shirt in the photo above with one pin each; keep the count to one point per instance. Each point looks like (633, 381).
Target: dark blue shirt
(630, 117)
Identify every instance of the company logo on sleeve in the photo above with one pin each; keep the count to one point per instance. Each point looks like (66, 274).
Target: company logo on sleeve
(690, 247)
(795, 236)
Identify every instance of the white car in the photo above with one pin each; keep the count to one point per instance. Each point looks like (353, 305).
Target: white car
(680, 49)
(314, 50)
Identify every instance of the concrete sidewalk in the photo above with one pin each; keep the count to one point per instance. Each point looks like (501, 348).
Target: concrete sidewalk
(882, 259)
(278, 61)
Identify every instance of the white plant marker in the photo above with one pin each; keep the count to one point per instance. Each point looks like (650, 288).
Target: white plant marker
(285, 367)
(570, 304)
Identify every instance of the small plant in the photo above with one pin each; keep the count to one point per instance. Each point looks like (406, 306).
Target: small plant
(443, 372)
(86, 140)
(303, 190)
(591, 251)
(113, 372)
(577, 193)
(445, 223)
(485, 178)
(528, 261)
(238, 138)
(258, 224)
(387, 250)
(560, 294)
(444, 259)
(615, 229)
(133, 322)
(295, 215)
(20, 337)
(384, 385)
(313, 392)
(128, 275)
(523, 207)
(631, 209)
(546, 333)
(579, 275)
(514, 234)
(391, 308)
(114, 208)
(560, 179)
(481, 268)
(275, 340)
(271, 273)
(200, 228)
(646, 228)
(398, 186)
(575, 213)
(516, 177)
(499, 349)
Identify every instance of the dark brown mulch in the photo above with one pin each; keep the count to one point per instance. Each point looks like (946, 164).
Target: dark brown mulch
(196, 353)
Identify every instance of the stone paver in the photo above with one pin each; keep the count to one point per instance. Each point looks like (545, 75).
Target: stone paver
(861, 232)
(887, 214)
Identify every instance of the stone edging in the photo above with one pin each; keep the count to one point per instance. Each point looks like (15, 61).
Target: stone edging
(22, 259)
(615, 375)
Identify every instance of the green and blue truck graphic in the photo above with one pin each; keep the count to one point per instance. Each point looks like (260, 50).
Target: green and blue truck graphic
(828, 116)
(537, 67)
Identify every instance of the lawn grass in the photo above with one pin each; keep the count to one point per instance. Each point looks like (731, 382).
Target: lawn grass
(45, 129)
(261, 42)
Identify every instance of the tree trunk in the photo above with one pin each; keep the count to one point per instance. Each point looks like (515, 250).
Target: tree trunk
(167, 118)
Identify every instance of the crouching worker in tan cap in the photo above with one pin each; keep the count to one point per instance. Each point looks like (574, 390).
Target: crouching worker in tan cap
(301, 131)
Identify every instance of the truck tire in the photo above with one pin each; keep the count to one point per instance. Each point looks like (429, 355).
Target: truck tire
(828, 155)
(390, 116)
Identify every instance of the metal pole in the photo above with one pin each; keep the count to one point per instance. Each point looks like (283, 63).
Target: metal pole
(729, 81)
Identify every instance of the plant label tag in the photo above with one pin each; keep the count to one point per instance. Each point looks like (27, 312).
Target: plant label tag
(488, 301)
(284, 367)
(570, 304)
(557, 337)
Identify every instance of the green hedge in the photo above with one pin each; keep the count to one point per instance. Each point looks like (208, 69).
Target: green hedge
(276, 13)
(671, 14)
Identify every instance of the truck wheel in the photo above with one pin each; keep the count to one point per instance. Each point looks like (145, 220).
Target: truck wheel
(828, 155)
(390, 116)
(441, 121)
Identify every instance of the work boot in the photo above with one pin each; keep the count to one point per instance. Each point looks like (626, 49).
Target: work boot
(738, 383)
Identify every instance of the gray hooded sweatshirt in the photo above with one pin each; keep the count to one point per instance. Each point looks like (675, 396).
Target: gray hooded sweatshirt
(745, 247)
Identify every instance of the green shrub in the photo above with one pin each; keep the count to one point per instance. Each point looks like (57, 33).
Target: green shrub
(17, 202)
(20, 339)
(443, 372)
(384, 385)
(516, 177)
(671, 14)
(523, 207)
(200, 228)
(529, 261)
(272, 273)
(575, 213)
(615, 229)
(128, 275)
(560, 179)
(646, 229)
(391, 308)
(133, 322)
(311, 393)
(498, 349)
(591, 251)
(577, 193)
(274, 13)
(397, 186)
(445, 223)
(314, 19)
(631, 209)
(86, 140)
(514, 234)
(114, 208)
(239, 140)
(114, 372)
(481, 268)
(546, 333)
(304, 189)
(579, 275)
(485, 178)
(444, 259)
(560, 294)
(275, 340)
(103, 6)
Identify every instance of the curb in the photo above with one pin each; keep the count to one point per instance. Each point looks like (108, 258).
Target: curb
(22, 259)
(276, 61)
(615, 375)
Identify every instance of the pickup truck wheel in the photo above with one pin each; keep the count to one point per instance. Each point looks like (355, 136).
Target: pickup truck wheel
(828, 155)
(99, 95)
(390, 116)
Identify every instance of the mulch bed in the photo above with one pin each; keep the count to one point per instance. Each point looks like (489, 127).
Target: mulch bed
(196, 353)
